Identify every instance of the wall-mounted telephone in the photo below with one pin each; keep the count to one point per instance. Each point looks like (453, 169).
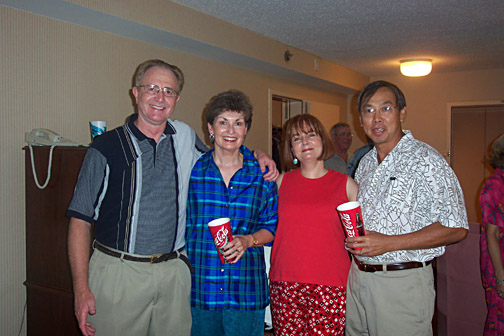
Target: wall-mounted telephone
(45, 137)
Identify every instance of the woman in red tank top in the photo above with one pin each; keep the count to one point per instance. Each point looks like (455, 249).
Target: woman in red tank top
(309, 263)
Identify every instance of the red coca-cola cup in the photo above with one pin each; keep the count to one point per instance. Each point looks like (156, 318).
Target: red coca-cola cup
(221, 234)
(351, 217)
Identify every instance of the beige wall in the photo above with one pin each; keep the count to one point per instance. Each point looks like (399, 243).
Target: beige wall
(328, 114)
(60, 76)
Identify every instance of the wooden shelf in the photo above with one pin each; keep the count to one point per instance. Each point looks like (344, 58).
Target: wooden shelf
(48, 279)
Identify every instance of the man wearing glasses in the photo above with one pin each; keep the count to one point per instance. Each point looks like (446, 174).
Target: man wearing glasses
(133, 186)
(341, 137)
(412, 207)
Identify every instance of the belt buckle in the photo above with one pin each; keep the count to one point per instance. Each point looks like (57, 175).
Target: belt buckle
(370, 270)
(154, 256)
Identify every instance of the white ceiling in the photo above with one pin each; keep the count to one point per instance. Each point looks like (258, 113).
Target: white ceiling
(371, 36)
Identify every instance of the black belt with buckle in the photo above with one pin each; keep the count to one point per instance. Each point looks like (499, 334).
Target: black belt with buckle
(390, 267)
(153, 259)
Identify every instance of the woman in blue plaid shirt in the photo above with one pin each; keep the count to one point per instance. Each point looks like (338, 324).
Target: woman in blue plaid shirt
(229, 299)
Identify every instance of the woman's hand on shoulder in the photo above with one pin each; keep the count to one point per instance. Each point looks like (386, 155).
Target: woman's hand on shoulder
(266, 161)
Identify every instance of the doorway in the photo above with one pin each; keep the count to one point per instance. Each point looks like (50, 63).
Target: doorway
(282, 109)
(473, 128)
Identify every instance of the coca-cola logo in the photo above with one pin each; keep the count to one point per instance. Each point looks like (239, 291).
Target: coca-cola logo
(221, 237)
(347, 224)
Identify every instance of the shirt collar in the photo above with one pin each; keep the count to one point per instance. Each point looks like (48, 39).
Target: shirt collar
(248, 160)
(399, 147)
(403, 142)
(169, 129)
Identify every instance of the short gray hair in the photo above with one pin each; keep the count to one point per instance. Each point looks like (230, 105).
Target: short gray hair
(338, 125)
(143, 67)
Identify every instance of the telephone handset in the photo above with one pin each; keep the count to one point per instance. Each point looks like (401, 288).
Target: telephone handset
(45, 137)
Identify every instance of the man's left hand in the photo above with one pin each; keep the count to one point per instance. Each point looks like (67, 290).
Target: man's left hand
(371, 245)
(266, 161)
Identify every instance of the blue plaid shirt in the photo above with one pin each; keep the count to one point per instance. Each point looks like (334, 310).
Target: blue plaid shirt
(251, 203)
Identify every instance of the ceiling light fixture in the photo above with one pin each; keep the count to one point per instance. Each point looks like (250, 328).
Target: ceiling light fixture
(416, 67)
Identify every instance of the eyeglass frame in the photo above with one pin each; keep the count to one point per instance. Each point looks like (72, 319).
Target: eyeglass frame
(158, 89)
(350, 134)
(383, 110)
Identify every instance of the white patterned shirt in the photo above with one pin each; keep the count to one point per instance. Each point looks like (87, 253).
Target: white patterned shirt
(413, 187)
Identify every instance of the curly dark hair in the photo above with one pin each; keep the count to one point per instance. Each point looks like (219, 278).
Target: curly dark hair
(231, 100)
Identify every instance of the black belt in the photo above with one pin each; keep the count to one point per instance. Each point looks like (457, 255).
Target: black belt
(390, 267)
(153, 259)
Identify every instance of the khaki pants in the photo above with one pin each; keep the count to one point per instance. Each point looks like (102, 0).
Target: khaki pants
(139, 298)
(390, 303)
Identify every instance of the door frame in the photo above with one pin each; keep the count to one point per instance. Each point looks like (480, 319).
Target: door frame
(273, 92)
(449, 106)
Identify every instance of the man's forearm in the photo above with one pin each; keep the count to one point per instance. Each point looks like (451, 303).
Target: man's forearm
(79, 240)
(375, 244)
(431, 236)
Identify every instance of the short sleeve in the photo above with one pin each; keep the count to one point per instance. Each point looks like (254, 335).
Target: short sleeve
(448, 205)
(88, 185)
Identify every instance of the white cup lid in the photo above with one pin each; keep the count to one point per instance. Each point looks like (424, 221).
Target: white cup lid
(348, 206)
(219, 221)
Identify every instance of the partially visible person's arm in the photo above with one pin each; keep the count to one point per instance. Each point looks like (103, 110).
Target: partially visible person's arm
(237, 247)
(492, 235)
(266, 161)
(79, 241)
(351, 189)
(279, 180)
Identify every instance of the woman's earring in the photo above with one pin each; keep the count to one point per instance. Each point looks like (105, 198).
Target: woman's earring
(295, 160)
(211, 137)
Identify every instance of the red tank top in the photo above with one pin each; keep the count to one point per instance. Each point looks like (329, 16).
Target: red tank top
(309, 242)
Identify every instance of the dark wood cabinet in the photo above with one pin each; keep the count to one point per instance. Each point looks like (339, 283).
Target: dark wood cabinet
(48, 279)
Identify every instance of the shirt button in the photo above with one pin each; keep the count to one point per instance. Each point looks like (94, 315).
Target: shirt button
(222, 270)
(231, 187)
(221, 289)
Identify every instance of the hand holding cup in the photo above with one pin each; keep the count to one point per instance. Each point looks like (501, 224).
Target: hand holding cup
(220, 229)
(351, 218)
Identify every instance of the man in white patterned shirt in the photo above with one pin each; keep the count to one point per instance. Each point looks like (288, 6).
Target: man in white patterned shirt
(412, 208)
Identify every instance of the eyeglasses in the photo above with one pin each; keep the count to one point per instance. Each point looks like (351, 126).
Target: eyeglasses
(153, 90)
(384, 110)
(345, 134)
